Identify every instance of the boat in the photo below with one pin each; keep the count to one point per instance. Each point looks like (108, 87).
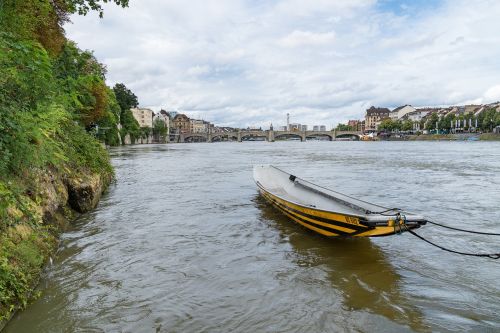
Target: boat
(328, 212)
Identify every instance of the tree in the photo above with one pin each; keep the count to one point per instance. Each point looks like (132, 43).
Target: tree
(431, 122)
(343, 127)
(125, 97)
(407, 125)
(390, 125)
(82, 7)
(160, 130)
(130, 126)
(487, 119)
(446, 121)
(497, 119)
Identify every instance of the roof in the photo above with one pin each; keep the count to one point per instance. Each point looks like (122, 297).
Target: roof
(400, 107)
(377, 111)
(181, 117)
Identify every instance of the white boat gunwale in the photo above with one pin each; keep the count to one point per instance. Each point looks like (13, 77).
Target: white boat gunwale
(372, 219)
(307, 207)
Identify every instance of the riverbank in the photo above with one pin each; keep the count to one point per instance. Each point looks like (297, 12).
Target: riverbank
(455, 137)
(35, 210)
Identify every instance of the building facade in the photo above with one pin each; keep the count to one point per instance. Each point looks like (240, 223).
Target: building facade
(182, 123)
(374, 117)
(416, 116)
(163, 118)
(198, 126)
(356, 125)
(143, 116)
(401, 111)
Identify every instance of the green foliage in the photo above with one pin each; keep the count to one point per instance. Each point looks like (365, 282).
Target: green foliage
(431, 122)
(488, 119)
(22, 253)
(159, 128)
(125, 97)
(407, 125)
(73, 63)
(90, 100)
(127, 100)
(82, 7)
(49, 91)
(83, 151)
(26, 77)
(343, 127)
(130, 126)
(390, 125)
(33, 20)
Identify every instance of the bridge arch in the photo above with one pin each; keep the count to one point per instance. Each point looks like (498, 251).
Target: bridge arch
(219, 137)
(348, 136)
(195, 137)
(287, 135)
(250, 136)
(320, 135)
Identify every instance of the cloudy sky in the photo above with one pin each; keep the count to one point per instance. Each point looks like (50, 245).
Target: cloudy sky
(248, 63)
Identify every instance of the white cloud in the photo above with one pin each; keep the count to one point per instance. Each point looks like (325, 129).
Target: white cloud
(240, 62)
(198, 70)
(304, 38)
(492, 94)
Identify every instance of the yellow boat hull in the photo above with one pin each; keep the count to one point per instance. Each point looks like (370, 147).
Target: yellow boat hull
(332, 224)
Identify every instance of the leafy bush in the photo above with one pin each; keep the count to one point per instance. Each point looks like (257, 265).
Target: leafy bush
(49, 92)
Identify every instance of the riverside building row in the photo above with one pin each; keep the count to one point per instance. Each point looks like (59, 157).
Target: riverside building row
(418, 117)
(175, 123)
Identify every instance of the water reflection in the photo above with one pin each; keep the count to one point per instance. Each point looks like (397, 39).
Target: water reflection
(355, 266)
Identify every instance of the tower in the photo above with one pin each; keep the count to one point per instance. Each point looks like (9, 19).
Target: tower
(287, 121)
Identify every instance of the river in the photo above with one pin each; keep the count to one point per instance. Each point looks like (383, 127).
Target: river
(182, 242)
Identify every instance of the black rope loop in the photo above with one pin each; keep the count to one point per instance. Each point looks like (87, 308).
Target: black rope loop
(399, 210)
(484, 255)
(464, 230)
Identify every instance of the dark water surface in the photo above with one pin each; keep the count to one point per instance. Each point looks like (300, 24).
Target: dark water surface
(183, 243)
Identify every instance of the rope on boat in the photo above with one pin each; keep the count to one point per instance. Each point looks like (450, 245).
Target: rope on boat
(464, 230)
(484, 255)
(487, 255)
(399, 210)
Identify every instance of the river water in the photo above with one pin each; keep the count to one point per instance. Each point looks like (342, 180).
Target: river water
(182, 242)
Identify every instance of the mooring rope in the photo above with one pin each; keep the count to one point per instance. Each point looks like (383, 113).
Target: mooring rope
(399, 210)
(464, 230)
(484, 255)
(487, 255)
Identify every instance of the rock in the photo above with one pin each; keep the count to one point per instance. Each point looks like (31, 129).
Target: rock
(84, 193)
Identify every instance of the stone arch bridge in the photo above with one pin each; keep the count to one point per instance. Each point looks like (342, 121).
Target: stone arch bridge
(270, 136)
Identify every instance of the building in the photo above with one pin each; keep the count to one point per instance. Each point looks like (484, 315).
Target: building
(182, 123)
(374, 117)
(283, 128)
(294, 127)
(356, 125)
(303, 128)
(197, 126)
(401, 111)
(143, 116)
(163, 117)
(416, 116)
(471, 109)
(317, 128)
